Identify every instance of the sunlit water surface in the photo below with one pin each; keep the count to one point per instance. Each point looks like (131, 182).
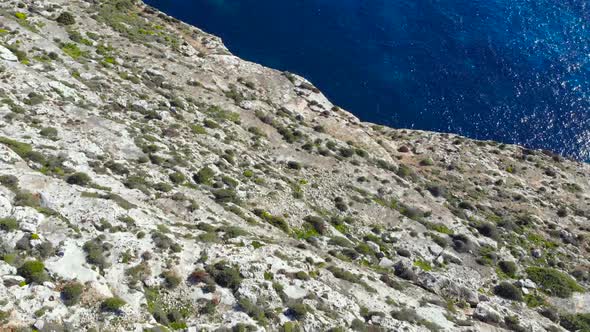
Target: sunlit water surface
(515, 71)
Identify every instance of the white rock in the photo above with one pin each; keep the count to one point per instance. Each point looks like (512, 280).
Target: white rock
(386, 262)
(66, 91)
(72, 264)
(295, 292)
(151, 282)
(6, 54)
(435, 315)
(87, 76)
(374, 246)
(527, 283)
(49, 284)
(29, 218)
(5, 269)
(101, 290)
(440, 260)
(12, 280)
(5, 207)
(486, 313)
(39, 324)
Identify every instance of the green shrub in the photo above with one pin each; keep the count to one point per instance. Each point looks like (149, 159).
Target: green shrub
(404, 171)
(171, 279)
(346, 152)
(508, 291)
(204, 176)
(25, 198)
(294, 165)
(225, 275)
(137, 182)
(163, 187)
(21, 149)
(22, 58)
(487, 229)
(298, 311)
(435, 190)
(424, 265)
(79, 178)
(112, 304)
(161, 241)
(359, 325)
(318, 224)
(343, 274)
(426, 162)
(233, 232)
(48, 132)
(198, 129)
(406, 315)
(116, 168)
(71, 293)
(177, 177)
(72, 50)
(340, 204)
(9, 181)
(138, 273)
(210, 124)
(273, 220)
(508, 267)
(253, 310)
(20, 16)
(66, 18)
(578, 322)
(364, 249)
(209, 237)
(95, 253)
(301, 275)
(341, 242)
(513, 324)
(553, 282)
(438, 228)
(34, 98)
(225, 196)
(33, 271)
(8, 224)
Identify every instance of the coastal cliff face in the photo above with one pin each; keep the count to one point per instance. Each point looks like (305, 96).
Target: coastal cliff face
(150, 180)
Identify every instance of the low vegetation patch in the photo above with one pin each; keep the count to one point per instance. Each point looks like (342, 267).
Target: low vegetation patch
(553, 282)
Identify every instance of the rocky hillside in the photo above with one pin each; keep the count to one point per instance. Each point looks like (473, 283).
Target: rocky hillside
(152, 181)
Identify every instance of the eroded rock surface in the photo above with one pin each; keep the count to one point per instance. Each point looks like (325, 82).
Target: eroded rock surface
(150, 180)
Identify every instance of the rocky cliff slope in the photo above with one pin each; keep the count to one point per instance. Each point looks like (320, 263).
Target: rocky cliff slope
(152, 181)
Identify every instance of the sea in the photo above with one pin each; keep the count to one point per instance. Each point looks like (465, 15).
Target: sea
(514, 71)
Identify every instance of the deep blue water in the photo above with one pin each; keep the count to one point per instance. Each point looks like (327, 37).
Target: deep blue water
(516, 71)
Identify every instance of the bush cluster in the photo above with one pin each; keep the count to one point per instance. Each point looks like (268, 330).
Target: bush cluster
(66, 18)
(33, 272)
(112, 304)
(508, 291)
(553, 282)
(71, 293)
(225, 275)
(8, 224)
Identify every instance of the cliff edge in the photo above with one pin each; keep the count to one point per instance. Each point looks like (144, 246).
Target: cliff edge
(152, 181)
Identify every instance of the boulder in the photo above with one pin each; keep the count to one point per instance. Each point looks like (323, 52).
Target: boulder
(485, 313)
(7, 55)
